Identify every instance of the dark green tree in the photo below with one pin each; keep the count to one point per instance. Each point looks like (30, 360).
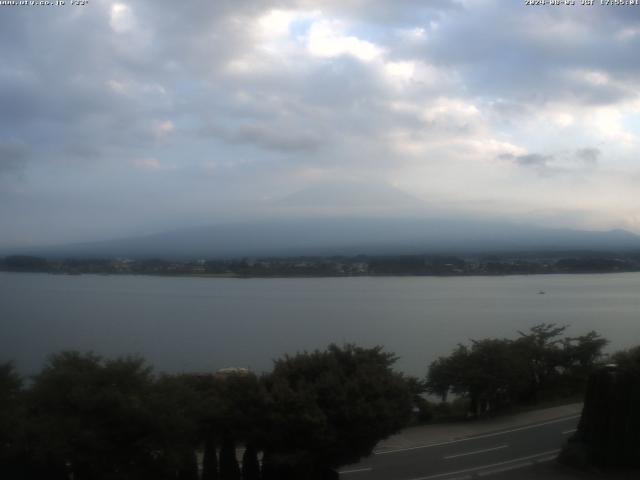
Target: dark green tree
(90, 417)
(242, 407)
(581, 355)
(330, 408)
(608, 434)
(175, 404)
(493, 375)
(541, 348)
(628, 360)
(445, 372)
(496, 373)
(12, 423)
(489, 374)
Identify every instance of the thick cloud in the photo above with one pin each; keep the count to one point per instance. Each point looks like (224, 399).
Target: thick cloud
(150, 114)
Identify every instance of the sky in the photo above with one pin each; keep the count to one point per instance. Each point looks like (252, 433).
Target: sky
(122, 118)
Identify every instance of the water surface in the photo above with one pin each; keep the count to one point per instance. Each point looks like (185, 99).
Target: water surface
(202, 324)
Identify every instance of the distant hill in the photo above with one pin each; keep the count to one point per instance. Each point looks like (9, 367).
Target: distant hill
(348, 236)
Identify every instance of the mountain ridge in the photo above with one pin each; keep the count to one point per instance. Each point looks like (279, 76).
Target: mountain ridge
(346, 236)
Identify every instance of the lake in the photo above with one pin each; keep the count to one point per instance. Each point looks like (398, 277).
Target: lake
(202, 324)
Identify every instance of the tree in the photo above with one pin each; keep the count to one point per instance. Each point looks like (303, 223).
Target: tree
(489, 374)
(12, 422)
(210, 460)
(628, 360)
(581, 355)
(87, 417)
(418, 387)
(493, 375)
(330, 408)
(90, 416)
(541, 349)
(445, 373)
(250, 464)
(229, 468)
(241, 413)
(176, 407)
(496, 373)
(608, 434)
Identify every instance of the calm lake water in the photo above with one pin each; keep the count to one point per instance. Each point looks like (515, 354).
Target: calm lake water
(201, 324)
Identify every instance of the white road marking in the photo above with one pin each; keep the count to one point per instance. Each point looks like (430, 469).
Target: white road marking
(493, 465)
(487, 435)
(475, 452)
(567, 432)
(508, 468)
(358, 470)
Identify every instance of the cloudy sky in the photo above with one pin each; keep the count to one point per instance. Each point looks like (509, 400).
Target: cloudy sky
(121, 118)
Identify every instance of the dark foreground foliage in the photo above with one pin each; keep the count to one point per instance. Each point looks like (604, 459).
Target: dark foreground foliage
(494, 374)
(608, 434)
(89, 418)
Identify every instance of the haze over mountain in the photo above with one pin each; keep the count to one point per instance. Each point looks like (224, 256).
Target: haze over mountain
(350, 217)
(349, 236)
(357, 197)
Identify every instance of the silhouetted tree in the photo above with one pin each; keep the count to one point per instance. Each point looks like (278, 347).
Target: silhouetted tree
(12, 423)
(330, 408)
(580, 356)
(250, 464)
(540, 347)
(241, 411)
(608, 435)
(90, 416)
(488, 373)
(495, 373)
(442, 375)
(176, 405)
(628, 360)
(210, 460)
(229, 468)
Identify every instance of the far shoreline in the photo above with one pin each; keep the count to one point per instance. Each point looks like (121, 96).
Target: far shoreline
(338, 266)
(250, 277)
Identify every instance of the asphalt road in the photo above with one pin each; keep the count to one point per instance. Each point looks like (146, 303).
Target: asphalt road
(470, 457)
